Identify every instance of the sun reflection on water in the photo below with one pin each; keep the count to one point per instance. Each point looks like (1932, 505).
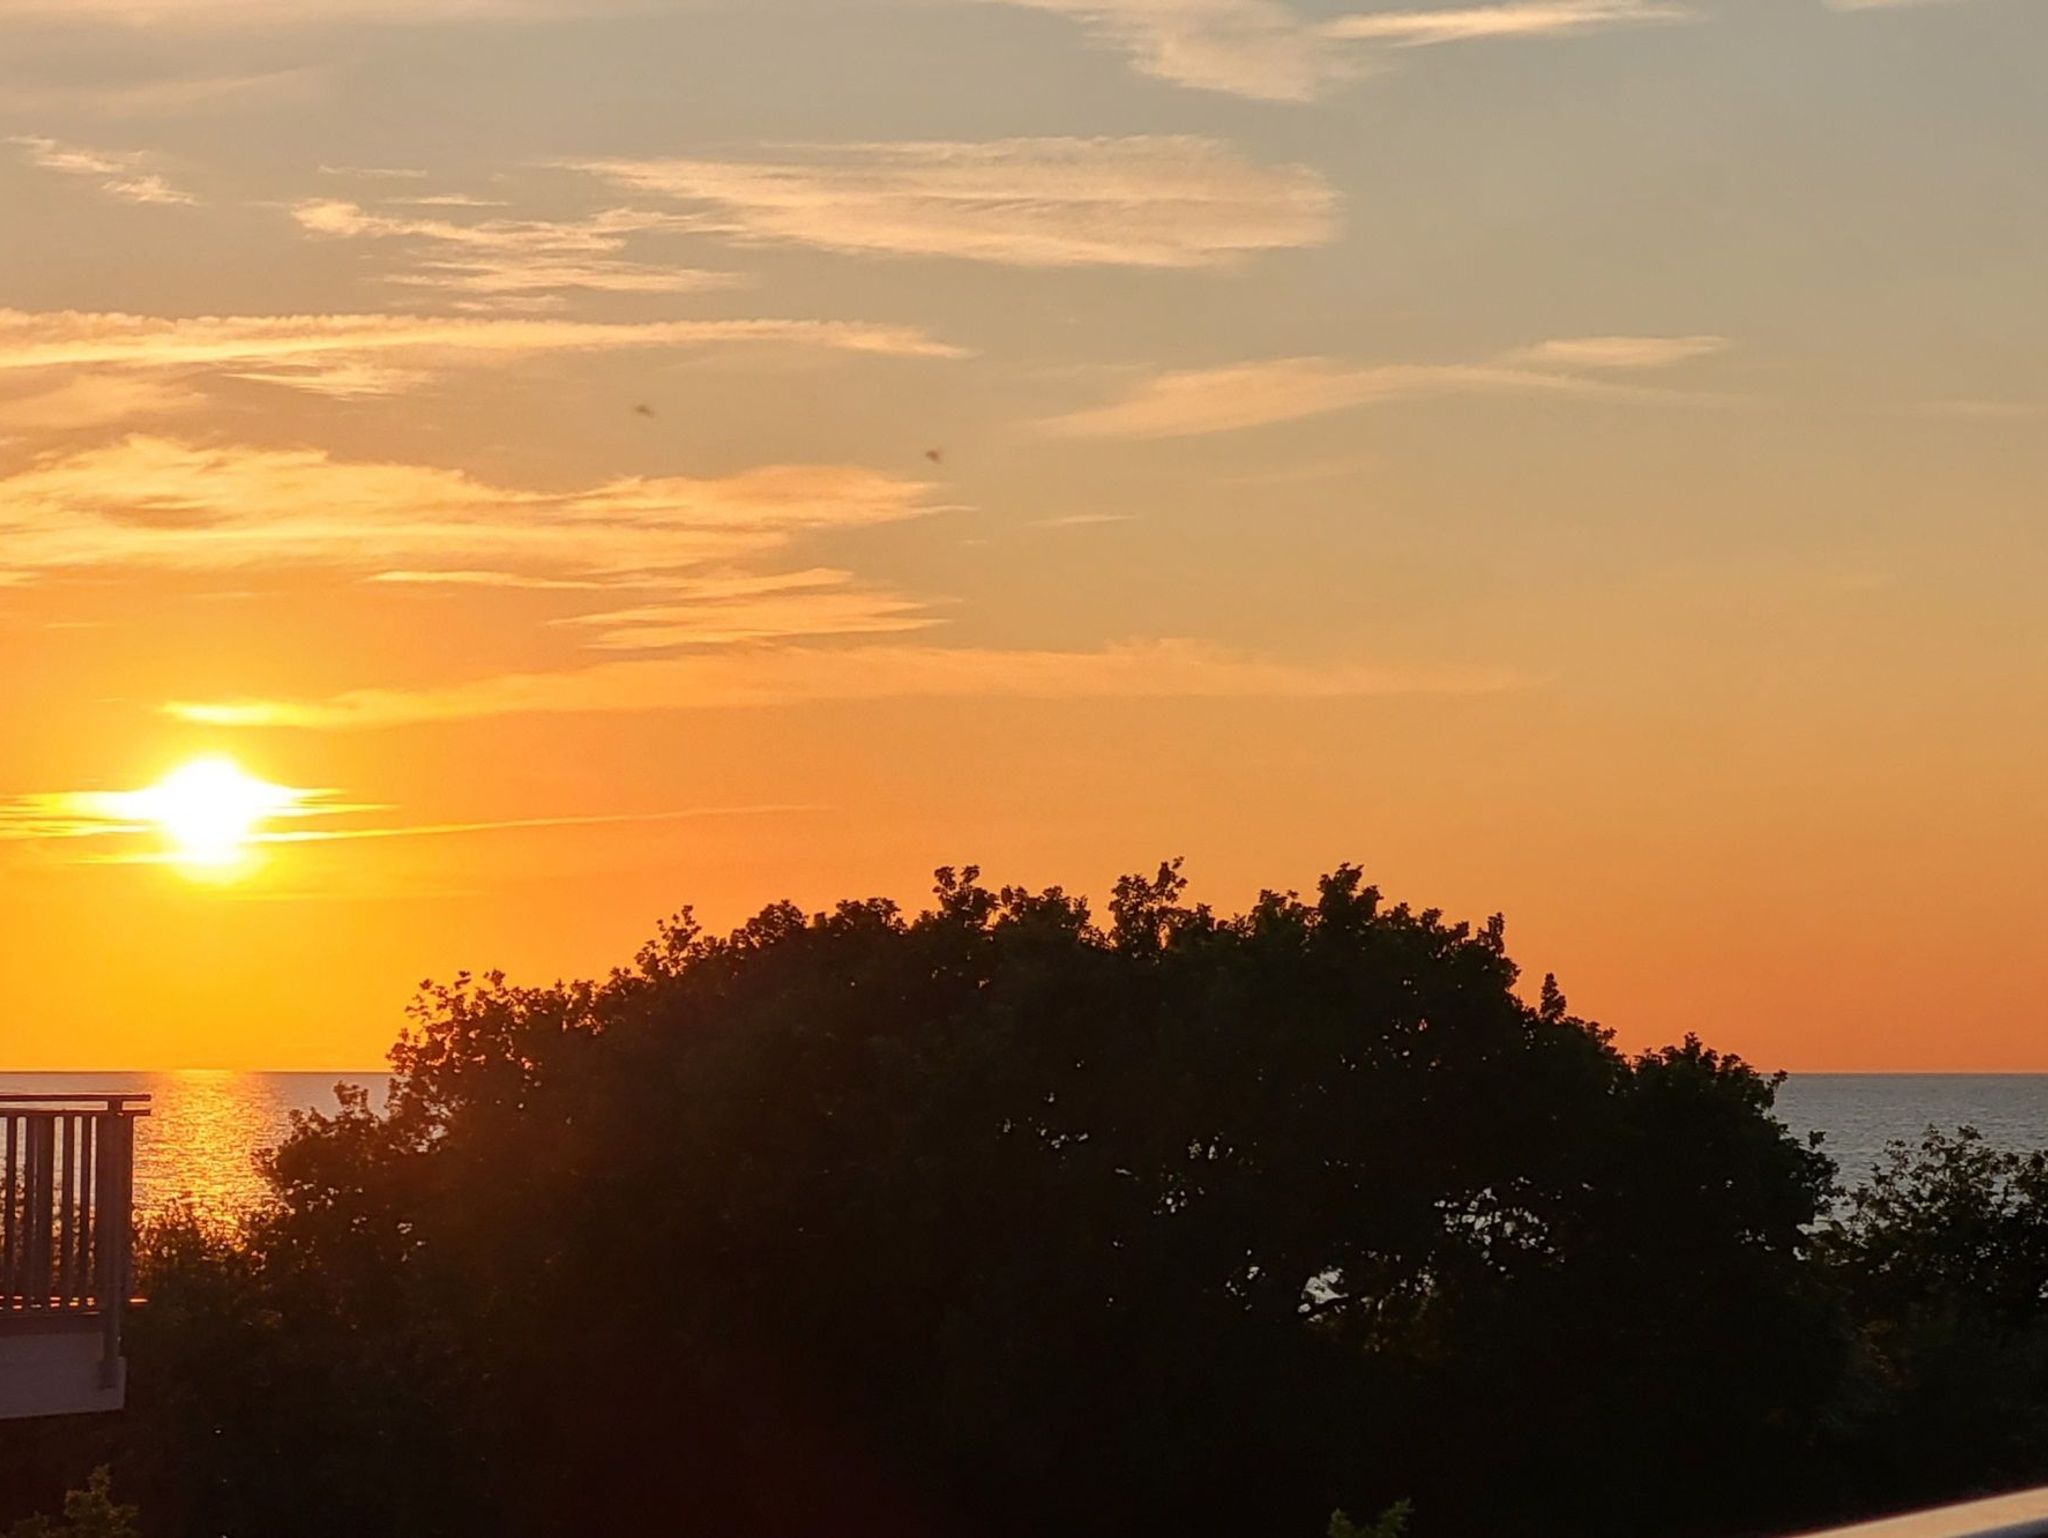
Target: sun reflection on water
(205, 1127)
(202, 1138)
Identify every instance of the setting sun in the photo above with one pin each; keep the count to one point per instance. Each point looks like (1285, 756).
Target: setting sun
(210, 811)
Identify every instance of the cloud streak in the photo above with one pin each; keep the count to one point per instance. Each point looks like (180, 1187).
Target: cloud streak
(1160, 202)
(385, 354)
(528, 824)
(1482, 23)
(87, 401)
(664, 563)
(159, 15)
(124, 176)
(514, 262)
(733, 610)
(719, 631)
(783, 676)
(1269, 50)
(171, 97)
(1262, 49)
(58, 816)
(1619, 352)
(150, 503)
(1192, 402)
(123, 817)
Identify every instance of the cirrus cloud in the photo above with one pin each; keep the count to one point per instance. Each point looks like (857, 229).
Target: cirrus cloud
(204, 14)
(684, 555)
(130, 821)
(1619, 352)
(1189, 402)
(1269, 50)
(1514, 18)
(518, 262)
(750, 677)
(1148, 201)
(90, 400)
(383, 354)
(159, 503)
(124, 175)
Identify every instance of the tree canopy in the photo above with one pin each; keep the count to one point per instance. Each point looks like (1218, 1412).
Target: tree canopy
(999, 1218)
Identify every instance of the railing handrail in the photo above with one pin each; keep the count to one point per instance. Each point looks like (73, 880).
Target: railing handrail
(2024, 1515)
(110, 1101)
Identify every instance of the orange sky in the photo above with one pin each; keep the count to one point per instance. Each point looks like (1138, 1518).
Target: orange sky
(1579, 459)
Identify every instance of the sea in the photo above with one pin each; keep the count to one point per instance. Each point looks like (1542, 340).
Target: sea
(204, 1129)
(199, 1143)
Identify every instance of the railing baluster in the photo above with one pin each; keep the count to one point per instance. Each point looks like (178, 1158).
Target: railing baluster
(8, 1286)
(42, 1159)
(117, 1218)
(88, 1207)
(67, 1179)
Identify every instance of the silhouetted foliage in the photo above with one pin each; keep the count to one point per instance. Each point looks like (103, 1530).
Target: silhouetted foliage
(88, 1513)
(995, 1219)
(1392, 1523)
(1943, 1257)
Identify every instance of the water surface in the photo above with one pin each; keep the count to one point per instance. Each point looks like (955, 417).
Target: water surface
(1861, 1112)
(204, 1129)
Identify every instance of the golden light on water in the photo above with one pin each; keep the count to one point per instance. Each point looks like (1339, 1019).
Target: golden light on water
(198, 1147)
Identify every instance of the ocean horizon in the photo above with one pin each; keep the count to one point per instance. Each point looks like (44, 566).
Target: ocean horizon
(206, 1126)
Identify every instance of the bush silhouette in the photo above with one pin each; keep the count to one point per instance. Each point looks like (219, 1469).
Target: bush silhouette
(997, 1219)
(88, 1513)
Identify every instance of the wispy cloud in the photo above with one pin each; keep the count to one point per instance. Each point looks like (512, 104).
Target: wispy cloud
(93, 400)
(1619, 352)
(1132, 202)
(381, 354)
(159, 503)
(377, 173)
(1479, 23)
(131, 822)
(513, 262)
(174, 97)
(1263, 49)
(679, 567)
(53, 816)
(667, 563)
(1880, 5)
(729, 610)
(168, 14)
(771, 676)
(1270, 50)
(1965, 410)
(1189, 402)
(124, 175)
(138, 818)
(449, 200)
(516, 581)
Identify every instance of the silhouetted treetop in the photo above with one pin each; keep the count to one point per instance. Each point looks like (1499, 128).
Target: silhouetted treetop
(998, 1217)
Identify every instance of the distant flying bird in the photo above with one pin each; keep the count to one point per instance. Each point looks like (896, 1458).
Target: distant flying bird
(936, 456)
(644, 409)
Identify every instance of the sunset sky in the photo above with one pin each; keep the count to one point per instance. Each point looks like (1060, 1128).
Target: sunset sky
(1580, 458)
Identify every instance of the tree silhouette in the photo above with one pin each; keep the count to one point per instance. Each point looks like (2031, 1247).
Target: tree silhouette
(995, 1219)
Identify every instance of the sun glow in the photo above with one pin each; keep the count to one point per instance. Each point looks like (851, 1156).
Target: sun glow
(211, 811)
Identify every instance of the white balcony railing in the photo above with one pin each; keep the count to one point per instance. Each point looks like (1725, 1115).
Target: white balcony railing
(67, 1204)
